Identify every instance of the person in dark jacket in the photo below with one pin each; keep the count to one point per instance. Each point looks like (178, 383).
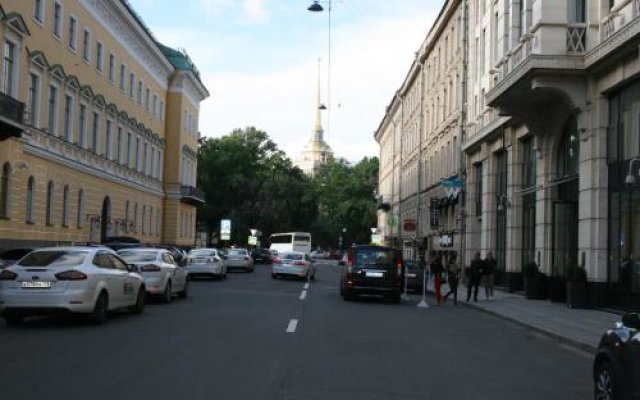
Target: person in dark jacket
(437, 269)
(475, 273)
(452, 277)
(488, 270)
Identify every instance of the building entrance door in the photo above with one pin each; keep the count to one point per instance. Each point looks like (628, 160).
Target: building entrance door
(565, 236)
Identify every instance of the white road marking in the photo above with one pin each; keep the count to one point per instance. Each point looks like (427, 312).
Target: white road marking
(293, 324)
(303, 295)
(306, 286)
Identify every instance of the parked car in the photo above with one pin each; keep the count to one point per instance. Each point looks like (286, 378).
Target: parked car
(262, 256)
(372, 270)
(415, 275)
(294, 264)
(616, 368)
(11, 256)
(162, 276)
(319, 255)
(179, 255)
(206, 262)
(239, 259)
(121, 242)
(76, 279)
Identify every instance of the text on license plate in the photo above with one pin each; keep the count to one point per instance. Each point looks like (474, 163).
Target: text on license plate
(374, 274)
(410, 275)
(36, 285)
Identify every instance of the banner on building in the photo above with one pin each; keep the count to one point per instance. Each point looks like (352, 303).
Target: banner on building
(452, 187)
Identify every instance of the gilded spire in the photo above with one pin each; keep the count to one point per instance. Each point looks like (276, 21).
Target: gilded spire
(318, 131)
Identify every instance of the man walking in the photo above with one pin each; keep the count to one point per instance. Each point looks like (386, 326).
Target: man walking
(452, 277)
(489, 267)
(475, 273)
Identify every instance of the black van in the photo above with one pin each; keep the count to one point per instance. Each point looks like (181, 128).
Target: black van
(372, 270)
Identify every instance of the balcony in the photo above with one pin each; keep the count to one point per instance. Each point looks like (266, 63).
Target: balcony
(191, 195)
(11, 117)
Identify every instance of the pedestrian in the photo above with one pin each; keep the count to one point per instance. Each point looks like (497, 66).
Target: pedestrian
(489, 268)
(437, 269)
(452, 277)
(475, 273)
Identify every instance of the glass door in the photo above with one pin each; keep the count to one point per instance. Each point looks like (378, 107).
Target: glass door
(565, 235)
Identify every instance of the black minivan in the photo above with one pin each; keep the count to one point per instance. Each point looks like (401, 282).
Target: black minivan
(372, 270)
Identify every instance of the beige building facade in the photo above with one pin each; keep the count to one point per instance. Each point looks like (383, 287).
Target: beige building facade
(99, 127)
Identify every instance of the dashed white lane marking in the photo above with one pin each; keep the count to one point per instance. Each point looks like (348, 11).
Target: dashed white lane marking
(293, 324)
(306, 286)
(303, 295)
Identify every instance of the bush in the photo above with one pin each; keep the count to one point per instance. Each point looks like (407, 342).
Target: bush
(576, 274)
(530, 270)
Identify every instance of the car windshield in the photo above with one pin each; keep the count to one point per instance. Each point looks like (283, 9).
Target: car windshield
(54, 258)
(292, 256)
(138, 256)
(202, 253)
(237, 252)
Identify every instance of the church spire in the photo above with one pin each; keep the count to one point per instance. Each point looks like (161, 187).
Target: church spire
(318, 131)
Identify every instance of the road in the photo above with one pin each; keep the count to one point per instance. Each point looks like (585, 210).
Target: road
(250, 337)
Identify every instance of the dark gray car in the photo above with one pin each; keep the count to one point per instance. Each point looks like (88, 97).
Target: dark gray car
(372, 270)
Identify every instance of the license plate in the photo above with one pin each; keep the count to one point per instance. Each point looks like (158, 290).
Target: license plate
(374, 274)
(411, 275)
(36, 285)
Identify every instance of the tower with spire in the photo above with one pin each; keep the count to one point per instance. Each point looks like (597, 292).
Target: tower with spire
(316, 151)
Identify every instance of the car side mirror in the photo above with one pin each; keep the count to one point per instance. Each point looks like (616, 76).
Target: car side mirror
(132, 268)
(631, 320)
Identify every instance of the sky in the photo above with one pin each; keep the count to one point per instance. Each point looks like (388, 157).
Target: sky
(259, 61)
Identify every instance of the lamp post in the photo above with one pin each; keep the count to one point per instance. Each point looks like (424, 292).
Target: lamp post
(317, 7)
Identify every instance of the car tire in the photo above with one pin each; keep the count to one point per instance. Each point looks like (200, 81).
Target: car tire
(167, 295)
(185, 291)
(274, 276)
(13, 319)
(604, 382)
(138, 308)
(395, 299)
(99, 314)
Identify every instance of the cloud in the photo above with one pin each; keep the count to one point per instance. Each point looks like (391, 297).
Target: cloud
(247, 11)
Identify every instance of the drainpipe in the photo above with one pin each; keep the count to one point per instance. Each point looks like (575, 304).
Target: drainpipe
(463, 128)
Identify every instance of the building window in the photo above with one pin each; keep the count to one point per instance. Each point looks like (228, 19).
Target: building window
(161, 110)
(68, 110)
(139, 97)
(95, 127)
(119, 146)
(8, 84)
(126, 217)
(57, 19)
(137, 154)
(522, 18)
(4, 190)
(129, 155)
(501, 214)
(529, 164)
(65, 206)
(34, 101)
(570, 149)
(144, 220)
(147, 98)
(30, 211)
(576, 12)
(112, 68)
(50, 203)
(86, 45)
(123, 71)
(99, 54)
(82, 125)
(132, 82)
(73, 31)
(135, 218)
(529, 173)
(155, 105)
(38, 10)
(107, 141)
(53, 110)
(157, 222)
(479, 183)
(145, 159)
(80, 209)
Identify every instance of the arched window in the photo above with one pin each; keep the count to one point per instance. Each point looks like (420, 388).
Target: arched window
(144, 220)
(4, 190)
(50, 203)
(31, 184)
(80, 212)
(569, 150)
(65, 206)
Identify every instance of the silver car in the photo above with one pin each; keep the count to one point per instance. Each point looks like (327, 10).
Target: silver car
(295, 264)
(239, 258)
(162, 276)
(206, 262)
(85, 280)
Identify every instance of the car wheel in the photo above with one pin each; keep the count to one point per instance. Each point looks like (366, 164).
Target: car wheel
(185, 291)
(99, 314)
(13, 318)
(395, 298)
(167, 296)
(138, 308)
(274, 276)
(604, 384)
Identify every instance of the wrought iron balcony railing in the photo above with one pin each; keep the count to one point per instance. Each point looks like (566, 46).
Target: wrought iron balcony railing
(11, 117)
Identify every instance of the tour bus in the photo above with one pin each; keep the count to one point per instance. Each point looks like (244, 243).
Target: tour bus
(291, 241)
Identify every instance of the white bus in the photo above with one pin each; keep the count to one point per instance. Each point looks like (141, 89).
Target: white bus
(291, 241)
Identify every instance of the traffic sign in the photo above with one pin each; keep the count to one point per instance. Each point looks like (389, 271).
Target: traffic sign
(253, 240)
(392, 221)
(375, 239)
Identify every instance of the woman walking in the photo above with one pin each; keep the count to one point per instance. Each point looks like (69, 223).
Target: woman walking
(489, 267)
(437, 270)
(452, 276)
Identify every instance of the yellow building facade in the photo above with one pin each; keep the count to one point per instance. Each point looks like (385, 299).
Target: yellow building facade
(98, 127)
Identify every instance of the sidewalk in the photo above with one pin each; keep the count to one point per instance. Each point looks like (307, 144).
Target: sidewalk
(577, 327)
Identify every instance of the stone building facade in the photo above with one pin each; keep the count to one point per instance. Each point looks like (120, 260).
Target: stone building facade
(98, 129)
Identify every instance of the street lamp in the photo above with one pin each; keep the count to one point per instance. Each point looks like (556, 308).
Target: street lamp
(317, 7)
(630, 179)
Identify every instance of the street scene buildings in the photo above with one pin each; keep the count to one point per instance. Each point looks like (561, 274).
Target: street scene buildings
(547, 136)
(99, 127)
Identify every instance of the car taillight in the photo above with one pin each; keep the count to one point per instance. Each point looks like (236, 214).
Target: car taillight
(276, 260)
(299, 263)
(245, 258)
(7, 275)
(399, 271)
(150, 268)
(71, 276)
(350, 275)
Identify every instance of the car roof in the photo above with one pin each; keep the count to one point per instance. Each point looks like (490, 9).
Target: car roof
(91, 249)
(144, 249)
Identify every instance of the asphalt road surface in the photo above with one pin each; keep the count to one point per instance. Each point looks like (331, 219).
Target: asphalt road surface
(250, 337)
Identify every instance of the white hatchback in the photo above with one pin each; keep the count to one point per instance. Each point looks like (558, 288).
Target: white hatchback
(293, 263)
(162, 276)
(86, 280)
(206, 262)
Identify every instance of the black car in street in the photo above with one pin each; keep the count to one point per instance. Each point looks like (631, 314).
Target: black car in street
(372, 270)
(261, 256)
(616, 369)
(415, 275)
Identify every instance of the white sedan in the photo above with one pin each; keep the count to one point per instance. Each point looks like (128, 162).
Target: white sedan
(85, 280)
(162, 276)
(239, 258)
(293, 263)
(206, 262)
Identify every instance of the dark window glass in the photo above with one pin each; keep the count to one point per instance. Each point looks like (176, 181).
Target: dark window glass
(53, 258)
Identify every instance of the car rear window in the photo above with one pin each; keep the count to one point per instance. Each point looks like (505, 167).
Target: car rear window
(291, 256)
(54, 258)
(237, 252)
(202, 253)
(375, 256)
(138, 256)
